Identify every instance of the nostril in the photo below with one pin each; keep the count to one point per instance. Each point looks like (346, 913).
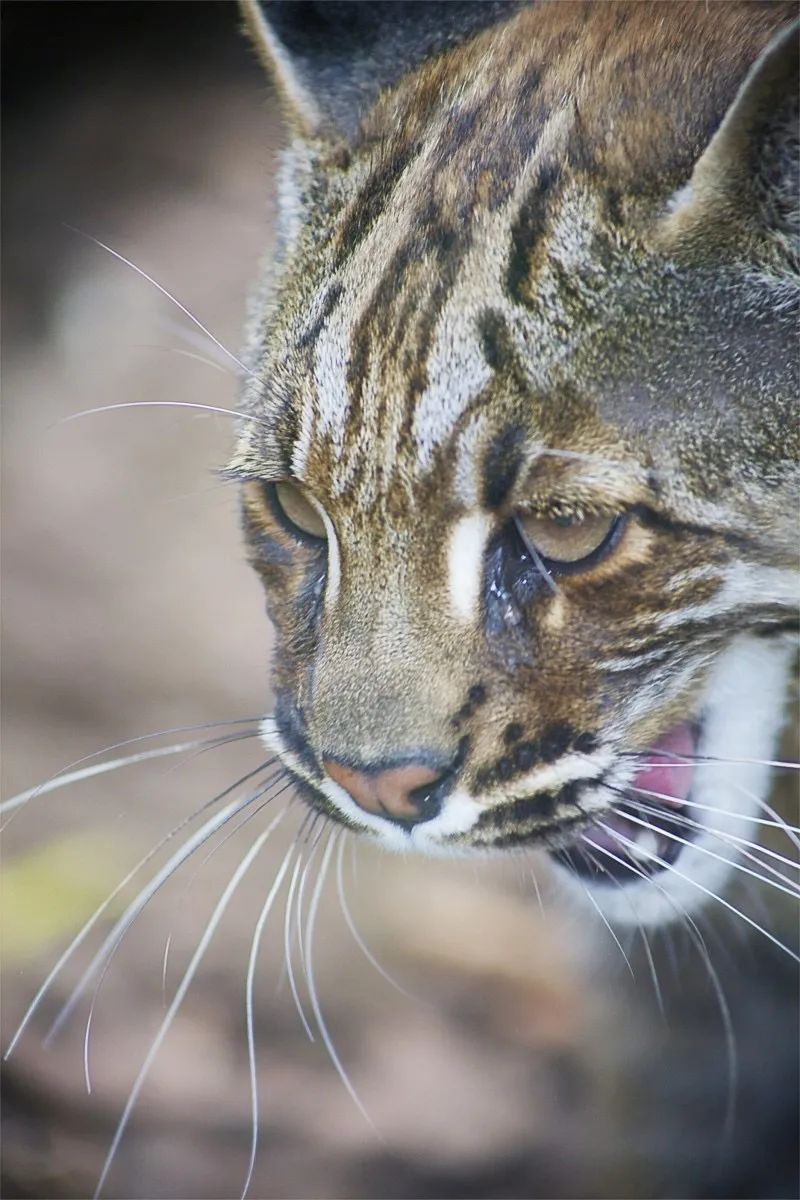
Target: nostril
(409, 793)
(427, 797)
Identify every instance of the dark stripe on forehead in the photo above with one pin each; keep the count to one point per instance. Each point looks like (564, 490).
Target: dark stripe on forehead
(528, 229)
(498, 349)
(373, 198)
(378, 332)
(451, 244)
(310, 335)
(501, 465)
(403, 314)
(459, 132)
(367, 336)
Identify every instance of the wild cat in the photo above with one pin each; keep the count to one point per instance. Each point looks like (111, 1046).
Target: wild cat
(519, 442)
(520, 471)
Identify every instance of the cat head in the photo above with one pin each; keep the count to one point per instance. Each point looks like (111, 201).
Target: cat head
(522, 479)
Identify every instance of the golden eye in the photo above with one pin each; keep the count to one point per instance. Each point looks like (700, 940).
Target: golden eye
(297, 512)
(569, 541)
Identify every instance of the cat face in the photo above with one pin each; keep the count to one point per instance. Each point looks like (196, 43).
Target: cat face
(519, 483)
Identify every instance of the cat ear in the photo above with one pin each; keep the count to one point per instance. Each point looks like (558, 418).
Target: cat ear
(747, 177)
(331, 58)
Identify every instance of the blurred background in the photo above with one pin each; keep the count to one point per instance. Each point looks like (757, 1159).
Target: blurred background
(520, 1059)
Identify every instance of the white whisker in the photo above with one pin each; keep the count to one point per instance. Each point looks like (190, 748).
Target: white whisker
(351, 925)
(537, 889)
(164, 964)
(788, 887)
(732, 1056)
(76, 777)
(246, 819)
(120, 927)
(333, 837)
(287, 945)
(195, 338)
(137, 906)
(728, 1033)
(249, 1016)
(159, 287)
(709, 760)
(68, 776)
(621, 839)
(608, 925)
(112, 952)
(201, 358)
(789, 830)
(740, 843)
(212, 408)
(239, 825)
(181, 991)
(179, 857)
(651, 966)
(298, 908)
(776, 824)
(540, 567)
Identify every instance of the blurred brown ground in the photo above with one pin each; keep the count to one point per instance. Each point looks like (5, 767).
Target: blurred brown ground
(517, 1069)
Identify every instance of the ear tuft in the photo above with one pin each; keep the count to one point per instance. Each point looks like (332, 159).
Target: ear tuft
(747, 178)
(331, 58)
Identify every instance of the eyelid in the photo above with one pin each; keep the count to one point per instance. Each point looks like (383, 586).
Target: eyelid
(553, 510)
(261, 464)
(284, 517)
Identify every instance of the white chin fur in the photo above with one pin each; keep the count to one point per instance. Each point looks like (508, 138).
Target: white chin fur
(743, 711)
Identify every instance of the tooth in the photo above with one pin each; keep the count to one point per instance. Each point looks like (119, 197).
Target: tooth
(646, 845)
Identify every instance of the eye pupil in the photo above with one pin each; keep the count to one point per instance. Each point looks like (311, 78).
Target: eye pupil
(298, 511)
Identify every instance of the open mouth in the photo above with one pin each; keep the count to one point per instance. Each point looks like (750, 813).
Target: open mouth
(647, 829)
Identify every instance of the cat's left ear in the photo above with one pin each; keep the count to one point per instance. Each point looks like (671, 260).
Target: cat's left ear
(745, 184)
(330, 59)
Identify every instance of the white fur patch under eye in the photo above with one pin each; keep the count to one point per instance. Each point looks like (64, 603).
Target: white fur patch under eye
(465, 564)
(334, 569)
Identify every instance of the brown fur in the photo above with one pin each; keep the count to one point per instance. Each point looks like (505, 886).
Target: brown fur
(505, 212)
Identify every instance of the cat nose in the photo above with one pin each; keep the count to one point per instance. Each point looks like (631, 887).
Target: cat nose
(408, 794)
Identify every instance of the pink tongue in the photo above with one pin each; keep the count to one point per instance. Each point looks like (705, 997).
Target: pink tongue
(666, 774)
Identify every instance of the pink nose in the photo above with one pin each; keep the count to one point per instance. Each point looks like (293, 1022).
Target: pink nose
(400, 793)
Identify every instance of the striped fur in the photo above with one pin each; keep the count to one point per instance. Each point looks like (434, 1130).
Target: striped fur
(529, 279)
